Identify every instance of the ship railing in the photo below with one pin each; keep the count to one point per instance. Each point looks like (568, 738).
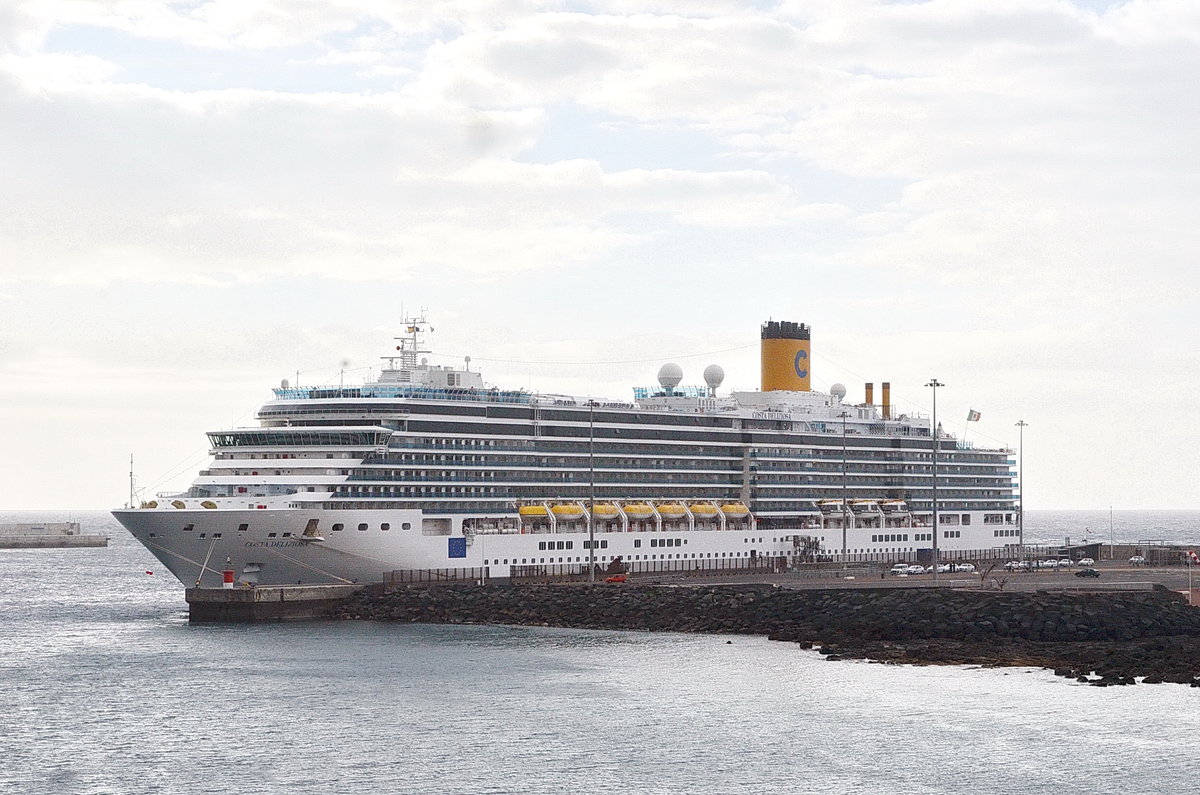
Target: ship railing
(651, 569)
(475, 574)
(925, 555)
(390, 391)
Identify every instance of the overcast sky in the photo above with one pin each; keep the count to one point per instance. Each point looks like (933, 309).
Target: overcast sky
(198, 199)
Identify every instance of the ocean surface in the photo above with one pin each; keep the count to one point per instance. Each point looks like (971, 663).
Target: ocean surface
(106, 688)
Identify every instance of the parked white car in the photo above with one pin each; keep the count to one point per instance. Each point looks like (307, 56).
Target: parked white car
(900, 568)
(915, 569)
(964, 567)
(1086, 562)
(1066, 562)
(1137, 560)
(1050, 563)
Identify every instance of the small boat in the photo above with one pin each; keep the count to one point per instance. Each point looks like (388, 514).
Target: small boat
(735, 510)
(672, 510)
(568, 511)
(639, 510)
(532, 510)
(605, 510)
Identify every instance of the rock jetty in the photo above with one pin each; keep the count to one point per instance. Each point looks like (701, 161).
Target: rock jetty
(1101, 638)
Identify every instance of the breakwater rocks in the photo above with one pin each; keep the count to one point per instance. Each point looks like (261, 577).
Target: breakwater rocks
(1102, 638)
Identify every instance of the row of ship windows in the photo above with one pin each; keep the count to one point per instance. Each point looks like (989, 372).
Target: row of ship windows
(536, 475)
(803, 462)
(187, 528)
(999, 533)
(568, 559)
(718, 448)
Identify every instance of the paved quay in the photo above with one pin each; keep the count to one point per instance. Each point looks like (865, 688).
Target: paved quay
(1113, 576)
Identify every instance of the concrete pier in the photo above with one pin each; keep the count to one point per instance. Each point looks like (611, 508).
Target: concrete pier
(47, 535)
(267, 603)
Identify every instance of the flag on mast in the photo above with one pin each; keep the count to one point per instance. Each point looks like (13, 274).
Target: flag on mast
(973, 415)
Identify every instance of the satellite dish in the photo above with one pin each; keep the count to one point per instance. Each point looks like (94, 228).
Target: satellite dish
(714, 374)
(669, 375)
(838, 391)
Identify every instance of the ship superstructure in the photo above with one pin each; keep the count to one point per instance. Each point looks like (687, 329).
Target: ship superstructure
(427, 467)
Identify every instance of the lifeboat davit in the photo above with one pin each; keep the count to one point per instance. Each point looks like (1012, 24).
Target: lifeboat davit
(605, 510)
(735, 510)
(532, 511)
(703, 510)
(672, 510)
(639, 510)
(568, 511)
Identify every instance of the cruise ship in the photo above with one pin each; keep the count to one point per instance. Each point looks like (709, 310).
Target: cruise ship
(428, 468)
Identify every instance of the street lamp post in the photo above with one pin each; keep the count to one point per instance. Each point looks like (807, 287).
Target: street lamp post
(1021, 487)
(934, 384)
(1110, 534)
(845, 489)
(592, 491)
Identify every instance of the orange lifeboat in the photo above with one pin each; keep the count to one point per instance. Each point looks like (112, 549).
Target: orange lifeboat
(605, 511)
(639, 510)
(672, 510)
(735, 510)
(568, 512)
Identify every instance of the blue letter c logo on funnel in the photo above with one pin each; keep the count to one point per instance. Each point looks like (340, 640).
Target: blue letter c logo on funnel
(798, 364)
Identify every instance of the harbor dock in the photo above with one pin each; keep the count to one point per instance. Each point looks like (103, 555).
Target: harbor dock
(47, 535)
(267, 603)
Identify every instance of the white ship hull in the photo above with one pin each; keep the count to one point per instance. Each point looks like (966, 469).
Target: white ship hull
(198, 545)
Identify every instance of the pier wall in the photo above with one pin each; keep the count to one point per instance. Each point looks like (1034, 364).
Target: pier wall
(12, 541)
(267, 603)
(876, 613)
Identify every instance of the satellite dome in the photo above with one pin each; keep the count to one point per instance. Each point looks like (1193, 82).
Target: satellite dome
(283, 384)
(669, 375)
(714, 374)
(838, 391)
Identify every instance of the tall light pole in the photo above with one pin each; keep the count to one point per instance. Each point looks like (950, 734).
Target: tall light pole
(592, 491)
(1021, 485)
(845, 489)
(1110, 534)
(934, 384)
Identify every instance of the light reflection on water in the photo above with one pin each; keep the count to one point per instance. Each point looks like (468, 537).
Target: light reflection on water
(108, 689)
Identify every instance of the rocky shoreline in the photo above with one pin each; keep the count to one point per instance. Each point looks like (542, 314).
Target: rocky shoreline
(1103, 638)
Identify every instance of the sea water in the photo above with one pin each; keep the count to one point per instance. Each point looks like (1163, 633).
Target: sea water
(106, 688)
